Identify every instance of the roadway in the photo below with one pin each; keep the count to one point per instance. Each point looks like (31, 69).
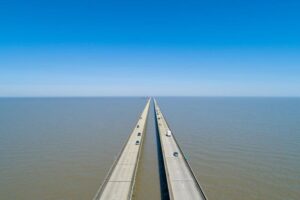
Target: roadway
(119, 182)
(182, 183)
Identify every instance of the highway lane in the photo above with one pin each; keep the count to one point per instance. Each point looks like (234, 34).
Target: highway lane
(119, 183)
(182, 183)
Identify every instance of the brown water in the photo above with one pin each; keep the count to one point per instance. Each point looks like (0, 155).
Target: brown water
(148, 181)
(61, 148)
(240, 148)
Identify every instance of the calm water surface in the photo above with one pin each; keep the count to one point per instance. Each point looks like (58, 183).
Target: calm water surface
(240, 148)
(62, 148)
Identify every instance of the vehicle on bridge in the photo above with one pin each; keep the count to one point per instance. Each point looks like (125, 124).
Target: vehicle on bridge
(169, 133)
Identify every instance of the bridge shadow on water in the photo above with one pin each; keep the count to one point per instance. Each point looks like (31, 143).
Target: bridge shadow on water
(164, 192)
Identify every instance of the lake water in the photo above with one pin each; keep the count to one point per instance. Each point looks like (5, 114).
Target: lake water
(62, 148)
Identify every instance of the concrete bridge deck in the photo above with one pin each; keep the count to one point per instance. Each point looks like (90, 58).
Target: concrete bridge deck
(119, 183)
(182, 183)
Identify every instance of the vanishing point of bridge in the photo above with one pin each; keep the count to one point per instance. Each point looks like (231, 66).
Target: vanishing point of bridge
(181, 181)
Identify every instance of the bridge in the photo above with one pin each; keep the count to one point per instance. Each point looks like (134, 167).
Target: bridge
(182, 183)
(119, 182)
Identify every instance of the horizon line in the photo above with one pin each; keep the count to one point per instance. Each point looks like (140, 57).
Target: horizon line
(153, 96)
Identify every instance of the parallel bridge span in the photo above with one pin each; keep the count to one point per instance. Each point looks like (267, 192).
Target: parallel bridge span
(119, 182)
(182, 183)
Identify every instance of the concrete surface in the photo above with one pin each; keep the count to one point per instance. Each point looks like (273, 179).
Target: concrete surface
(182, 184)
(119, 183)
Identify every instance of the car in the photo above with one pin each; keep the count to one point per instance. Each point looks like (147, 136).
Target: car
(175, 154)
(138, 126)
(168, 133)
(137, 142)
(139, 134)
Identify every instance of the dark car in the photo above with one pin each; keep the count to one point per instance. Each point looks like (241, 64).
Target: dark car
(139, 133)
(137, 142)
(175, 154)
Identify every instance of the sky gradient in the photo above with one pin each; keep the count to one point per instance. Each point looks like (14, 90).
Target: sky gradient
(125, 48)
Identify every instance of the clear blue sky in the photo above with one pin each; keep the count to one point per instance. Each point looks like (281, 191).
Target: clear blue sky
(155, 47)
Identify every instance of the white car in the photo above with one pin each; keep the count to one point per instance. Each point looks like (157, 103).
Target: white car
(168, 133)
